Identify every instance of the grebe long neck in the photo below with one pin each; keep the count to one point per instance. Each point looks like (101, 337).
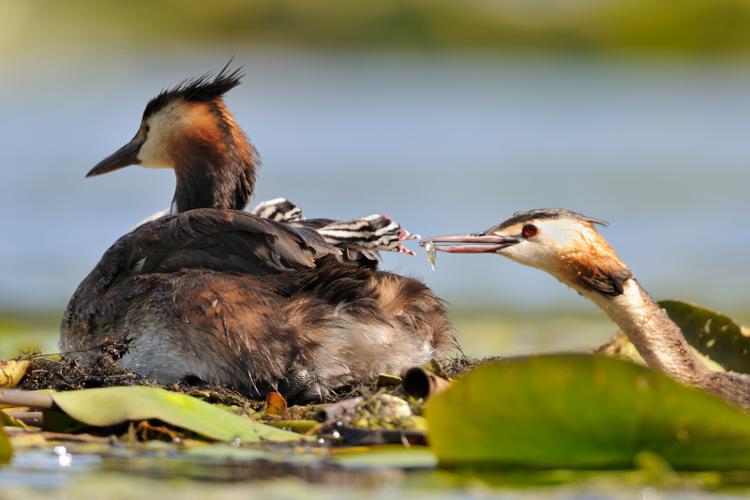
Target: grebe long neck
(215, 169)
(657, 338)
(661, 343)
(207, 182)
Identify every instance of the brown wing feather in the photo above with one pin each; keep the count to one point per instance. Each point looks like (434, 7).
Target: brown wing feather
(222, 240)
(225, 240)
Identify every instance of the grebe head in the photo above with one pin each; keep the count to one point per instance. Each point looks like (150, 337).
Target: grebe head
(188, 128)
(376, 232)
(561, 242)
(279, 209)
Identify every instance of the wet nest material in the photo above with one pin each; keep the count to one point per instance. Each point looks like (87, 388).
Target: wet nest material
(457, 366)
(68, 373)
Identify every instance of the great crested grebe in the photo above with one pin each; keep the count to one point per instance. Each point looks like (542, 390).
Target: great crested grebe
(567, 245)
(213, 292)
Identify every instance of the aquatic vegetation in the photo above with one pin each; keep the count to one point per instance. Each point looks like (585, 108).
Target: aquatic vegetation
(508, 417)
(109, 406)
(6, 450)
(721, 342)
(582, 411)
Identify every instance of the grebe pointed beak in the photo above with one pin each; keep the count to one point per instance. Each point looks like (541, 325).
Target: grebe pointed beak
(471, 243)
(126, 155)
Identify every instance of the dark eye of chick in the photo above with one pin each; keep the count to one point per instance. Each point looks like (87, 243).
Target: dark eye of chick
(529, 231)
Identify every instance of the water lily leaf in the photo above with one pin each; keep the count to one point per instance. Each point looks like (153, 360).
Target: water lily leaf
(104, 407)
(582, 411)
(355, 458)
(289, 455)
(385, 457)
(713, 334)
(300, 426)
(12, 371)
(6, 451)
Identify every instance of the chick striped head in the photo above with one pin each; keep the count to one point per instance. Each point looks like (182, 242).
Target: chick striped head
(376, 232)
(279, 210)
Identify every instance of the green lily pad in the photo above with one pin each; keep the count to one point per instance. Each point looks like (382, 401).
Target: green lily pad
(110, 406)
(582, 411)
(713, 334)
(385, 457)
(6, 450)
(277, 455)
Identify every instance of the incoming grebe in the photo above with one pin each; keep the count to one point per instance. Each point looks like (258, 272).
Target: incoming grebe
(567, 245)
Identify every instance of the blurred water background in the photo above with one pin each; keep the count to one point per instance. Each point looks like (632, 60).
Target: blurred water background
(446, 118)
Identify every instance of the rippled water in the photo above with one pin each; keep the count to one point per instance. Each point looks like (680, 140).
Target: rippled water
(165, 472)
(442, 144)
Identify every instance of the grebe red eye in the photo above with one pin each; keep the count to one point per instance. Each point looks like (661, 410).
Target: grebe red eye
(529, 231)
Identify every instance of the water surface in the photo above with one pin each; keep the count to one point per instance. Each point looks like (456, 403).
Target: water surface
(441, 143)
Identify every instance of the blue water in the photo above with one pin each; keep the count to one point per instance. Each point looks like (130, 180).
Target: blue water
(442, 144)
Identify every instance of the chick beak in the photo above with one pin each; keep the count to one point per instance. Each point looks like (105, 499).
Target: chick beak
(471, 243)
(126, 155)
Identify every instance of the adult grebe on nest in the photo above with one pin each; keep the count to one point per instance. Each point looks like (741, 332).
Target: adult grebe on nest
(215, 293)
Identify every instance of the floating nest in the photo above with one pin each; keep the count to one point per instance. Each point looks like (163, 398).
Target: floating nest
(66, 373)
(378, 412)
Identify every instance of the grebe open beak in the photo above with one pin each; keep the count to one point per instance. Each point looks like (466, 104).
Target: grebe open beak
(471, 243)
(126, 155)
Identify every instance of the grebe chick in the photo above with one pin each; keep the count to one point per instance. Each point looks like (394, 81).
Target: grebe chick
(568, 246)
(360, 239)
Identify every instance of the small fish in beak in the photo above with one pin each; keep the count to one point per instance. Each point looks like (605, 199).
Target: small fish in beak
(429, 247)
